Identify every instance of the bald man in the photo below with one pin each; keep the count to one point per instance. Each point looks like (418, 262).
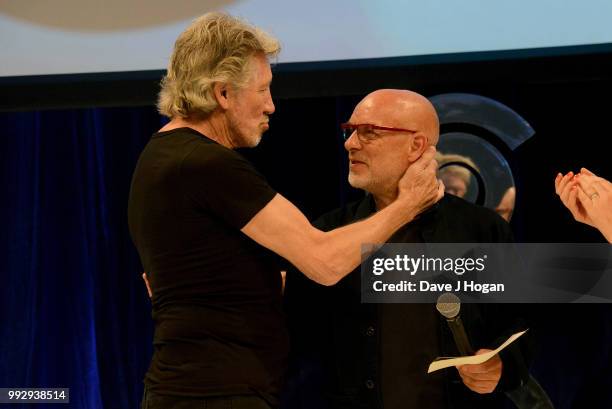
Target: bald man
(353, 355)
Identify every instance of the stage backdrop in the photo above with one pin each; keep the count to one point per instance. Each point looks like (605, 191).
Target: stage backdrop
(74, 311)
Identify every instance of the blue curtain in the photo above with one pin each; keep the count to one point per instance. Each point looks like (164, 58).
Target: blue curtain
(74, 309)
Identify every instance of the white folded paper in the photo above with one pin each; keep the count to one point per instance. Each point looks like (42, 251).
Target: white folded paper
(441, 363)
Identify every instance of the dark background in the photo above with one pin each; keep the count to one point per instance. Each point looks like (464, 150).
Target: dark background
(74, 311)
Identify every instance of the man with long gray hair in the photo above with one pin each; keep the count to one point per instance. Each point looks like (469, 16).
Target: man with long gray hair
(204, 222)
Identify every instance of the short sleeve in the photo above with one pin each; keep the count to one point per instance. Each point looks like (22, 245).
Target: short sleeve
(224, 182)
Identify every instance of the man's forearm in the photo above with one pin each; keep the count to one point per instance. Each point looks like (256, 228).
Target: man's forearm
(340, 249)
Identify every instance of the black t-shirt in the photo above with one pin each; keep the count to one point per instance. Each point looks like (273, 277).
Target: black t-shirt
(219, 326)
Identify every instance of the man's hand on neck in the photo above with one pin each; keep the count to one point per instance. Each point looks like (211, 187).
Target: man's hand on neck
(419, 188)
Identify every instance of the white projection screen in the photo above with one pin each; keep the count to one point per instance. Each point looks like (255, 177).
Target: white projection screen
(41, 37)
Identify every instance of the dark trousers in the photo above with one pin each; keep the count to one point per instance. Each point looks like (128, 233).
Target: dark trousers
(151, 400)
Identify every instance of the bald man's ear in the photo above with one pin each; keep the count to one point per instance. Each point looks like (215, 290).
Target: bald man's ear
(417, 146)
(220, 91)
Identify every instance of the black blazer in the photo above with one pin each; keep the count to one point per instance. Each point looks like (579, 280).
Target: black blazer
(334, 357)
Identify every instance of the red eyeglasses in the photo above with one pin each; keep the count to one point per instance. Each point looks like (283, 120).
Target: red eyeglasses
(367, 132)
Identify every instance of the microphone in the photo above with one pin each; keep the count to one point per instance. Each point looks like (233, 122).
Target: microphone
(449, 305)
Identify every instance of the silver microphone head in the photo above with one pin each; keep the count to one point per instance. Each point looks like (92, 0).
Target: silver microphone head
(448, 305)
